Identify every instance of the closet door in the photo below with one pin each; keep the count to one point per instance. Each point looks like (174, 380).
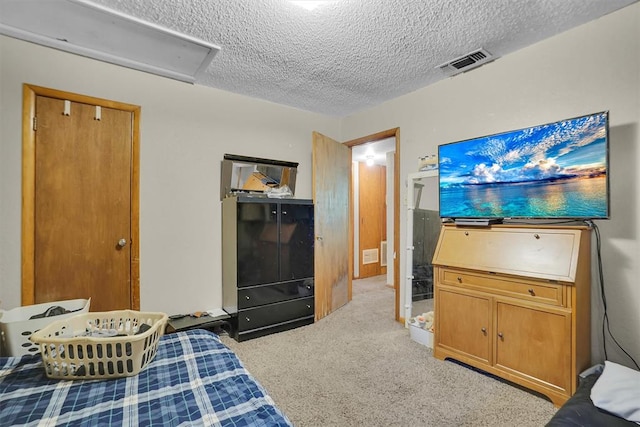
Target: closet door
(82, 210)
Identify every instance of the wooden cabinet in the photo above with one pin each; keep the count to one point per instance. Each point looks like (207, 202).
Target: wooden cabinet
(267, 264)
(515, 301)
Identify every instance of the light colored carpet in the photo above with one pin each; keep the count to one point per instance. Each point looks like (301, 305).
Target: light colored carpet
(358, 367)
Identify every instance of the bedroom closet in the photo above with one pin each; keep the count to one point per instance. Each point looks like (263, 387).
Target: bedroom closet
(74, 144)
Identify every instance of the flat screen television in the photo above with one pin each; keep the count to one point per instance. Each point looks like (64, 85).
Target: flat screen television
(552, 171)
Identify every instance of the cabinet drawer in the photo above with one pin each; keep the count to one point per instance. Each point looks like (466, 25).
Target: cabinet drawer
(259, 295)
(272, 314)
(547, 293)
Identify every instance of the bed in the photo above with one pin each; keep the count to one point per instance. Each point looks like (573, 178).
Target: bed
(193, 380)
(602, 387)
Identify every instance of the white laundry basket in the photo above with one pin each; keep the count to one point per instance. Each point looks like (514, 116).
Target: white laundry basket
(100, 345)
(16, 326)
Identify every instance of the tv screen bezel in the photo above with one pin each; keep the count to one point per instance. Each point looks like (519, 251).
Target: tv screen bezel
(607, 214)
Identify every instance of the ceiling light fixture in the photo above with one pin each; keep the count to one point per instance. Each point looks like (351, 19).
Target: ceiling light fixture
(370, 160)
(310, 4)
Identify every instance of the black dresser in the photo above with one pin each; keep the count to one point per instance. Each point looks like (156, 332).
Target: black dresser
(267, 264)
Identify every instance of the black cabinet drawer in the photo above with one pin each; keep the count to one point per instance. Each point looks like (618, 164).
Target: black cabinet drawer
(267, 294)
(274, 313)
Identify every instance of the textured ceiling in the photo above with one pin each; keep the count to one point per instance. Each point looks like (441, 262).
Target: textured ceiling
(350, 55)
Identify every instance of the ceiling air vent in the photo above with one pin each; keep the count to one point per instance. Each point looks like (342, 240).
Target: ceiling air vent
(88, 29)
(466, 62)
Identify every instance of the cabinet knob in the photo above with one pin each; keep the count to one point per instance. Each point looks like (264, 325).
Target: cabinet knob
(466, 233)
(484, 330)
(247, 297)
(500, 335)
(308, 306)
(309, 287)
(537, 236)
(284, 212)
(248, 320)
(532, 292)
(273, 212)
(459, 279)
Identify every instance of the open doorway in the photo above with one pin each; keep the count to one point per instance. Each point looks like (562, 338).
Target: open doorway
(373, 209)
(376, 231)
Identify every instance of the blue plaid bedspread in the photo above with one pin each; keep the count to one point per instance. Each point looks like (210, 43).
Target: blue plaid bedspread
(194, 380)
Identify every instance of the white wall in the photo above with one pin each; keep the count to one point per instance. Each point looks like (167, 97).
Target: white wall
(185, 131)
(592, 68)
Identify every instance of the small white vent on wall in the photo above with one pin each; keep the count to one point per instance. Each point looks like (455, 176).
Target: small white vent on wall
(466, 62)
(383, 253)
(370, 256)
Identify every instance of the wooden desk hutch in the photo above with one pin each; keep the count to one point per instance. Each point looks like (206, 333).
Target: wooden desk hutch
(514, 301)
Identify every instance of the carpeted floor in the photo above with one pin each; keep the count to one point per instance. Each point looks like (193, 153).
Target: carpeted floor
(358, 367)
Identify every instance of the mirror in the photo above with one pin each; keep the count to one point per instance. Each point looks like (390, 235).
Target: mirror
(256, 176)
(423, 229)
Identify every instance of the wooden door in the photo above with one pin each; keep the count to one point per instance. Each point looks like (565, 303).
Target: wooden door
(373, 219)
(331, 190)
(81, 214)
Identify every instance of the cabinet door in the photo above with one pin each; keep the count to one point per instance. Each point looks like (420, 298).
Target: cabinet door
(296, 241)
(463, 324)
(540, 253)
(535, 342)
(257, 243)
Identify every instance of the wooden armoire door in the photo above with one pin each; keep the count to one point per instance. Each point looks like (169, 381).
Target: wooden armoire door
(84, 192)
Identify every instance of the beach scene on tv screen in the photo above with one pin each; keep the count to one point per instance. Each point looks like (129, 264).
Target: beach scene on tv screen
(557, 170)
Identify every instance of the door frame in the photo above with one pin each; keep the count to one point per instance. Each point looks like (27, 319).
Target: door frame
(29, 94)
(379, 136)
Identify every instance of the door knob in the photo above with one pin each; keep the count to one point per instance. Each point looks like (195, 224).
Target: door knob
(122, 243)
